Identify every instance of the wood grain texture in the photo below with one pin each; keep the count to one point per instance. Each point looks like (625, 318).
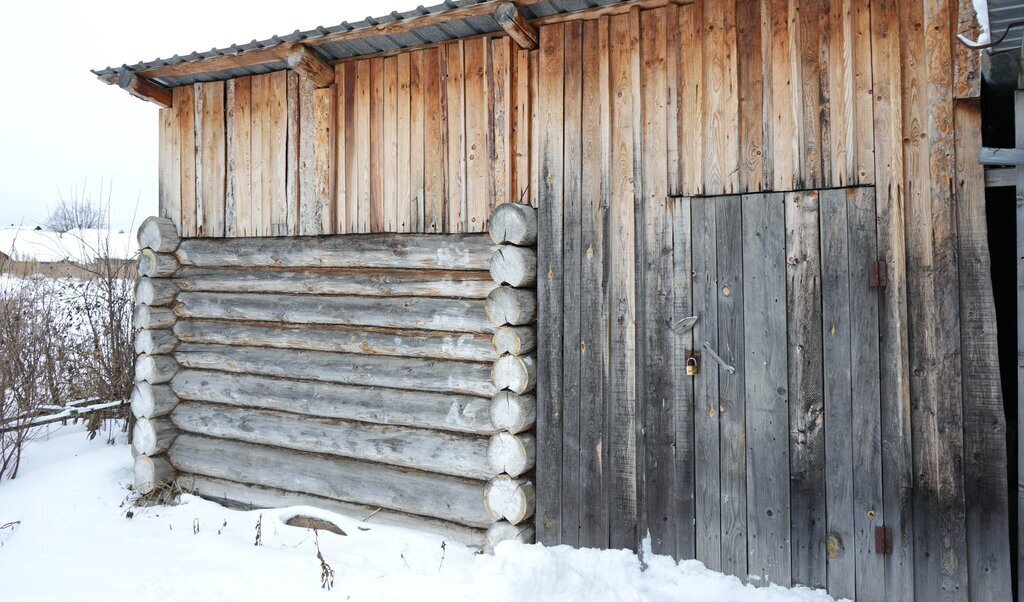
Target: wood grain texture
(184, 107)
(985, 487)
(438, 411)
(731, 387)
(767, 397)
(806, 386)
(431, 451)
(345, 339)
(384, 312)
(353, 369)
(706, 407)
(549, 289)
(572, 165)
(440, 496)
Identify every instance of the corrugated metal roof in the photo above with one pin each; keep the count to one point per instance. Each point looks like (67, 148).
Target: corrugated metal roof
(1000, 14)
(340, 48)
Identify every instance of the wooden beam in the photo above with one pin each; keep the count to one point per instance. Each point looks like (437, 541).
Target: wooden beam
(306, 62)
(997, 177)
(1001, 156)
(515, 25)
(144, 89)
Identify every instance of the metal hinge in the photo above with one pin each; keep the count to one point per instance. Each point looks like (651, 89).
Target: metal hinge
(878, 277)
(883, 540)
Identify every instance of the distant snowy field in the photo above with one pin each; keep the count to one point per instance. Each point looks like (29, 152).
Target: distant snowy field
(81, 246)
(75, 542)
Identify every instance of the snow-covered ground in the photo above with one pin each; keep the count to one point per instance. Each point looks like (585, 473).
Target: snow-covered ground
(81, 246)
(74, 541)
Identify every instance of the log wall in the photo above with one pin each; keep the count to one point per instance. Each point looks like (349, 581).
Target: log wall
(356, 370)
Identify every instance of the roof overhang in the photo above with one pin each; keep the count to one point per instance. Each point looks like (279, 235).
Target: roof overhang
(312, 52)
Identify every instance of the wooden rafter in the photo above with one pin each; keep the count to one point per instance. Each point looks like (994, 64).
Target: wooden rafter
(306, 62)
(145, 89)
(516, 26)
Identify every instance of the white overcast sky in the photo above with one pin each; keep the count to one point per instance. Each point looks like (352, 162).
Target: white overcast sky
(61, 128)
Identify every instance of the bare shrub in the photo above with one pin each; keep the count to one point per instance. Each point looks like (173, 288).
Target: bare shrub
(78, 209)
(63, 339)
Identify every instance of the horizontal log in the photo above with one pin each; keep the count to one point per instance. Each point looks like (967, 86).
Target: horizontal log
(414, 492)
(158, 234)
(451, 315)
(445, 411)
(511, 454)
(344, 339)
(414, 374)
(505, 531)
(513, 412)
(253, 496)
(152, 473)
(430, 451)
(516, 373)
(153, 317)
(517, 340)
(152, 401)
(155, 369)
(155, 291)
(393, 251)
(510, 499)
(153, 436)
(514, 266)
(152, 341)
(156, 265)
(374, 282)
(514, 224)
(511, 306)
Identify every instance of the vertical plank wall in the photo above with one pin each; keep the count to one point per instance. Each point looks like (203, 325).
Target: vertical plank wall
(644, 137)
(425, 141)
(828, 99)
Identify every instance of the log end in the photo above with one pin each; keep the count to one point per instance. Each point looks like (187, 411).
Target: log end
(503, 531)
(509, 498)
(510, 454)
(513, 412)
(158, 234)
(514, 224)
(152, 473)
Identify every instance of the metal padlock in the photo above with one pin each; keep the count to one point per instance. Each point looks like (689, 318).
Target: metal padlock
(692, 367)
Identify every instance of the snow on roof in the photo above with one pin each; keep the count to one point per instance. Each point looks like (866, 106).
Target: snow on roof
(81, 246)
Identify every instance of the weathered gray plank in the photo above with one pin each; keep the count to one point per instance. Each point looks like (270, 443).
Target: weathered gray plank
(444, 411)
(706, 414)
(864, 377)
(836, 334)
(680, 399)
(806, 389)
(398, 251)
(344, 339)
(731, 392)
(985, 443)
(623, 428)
(572, 383)
(353, 369)
(766, 386)
(593, 307)
(423, 449)
(415, 492)
(337, 281)
(550, 66)
(458, 315)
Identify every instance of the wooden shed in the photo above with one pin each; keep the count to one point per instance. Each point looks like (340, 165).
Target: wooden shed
(713, 272)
